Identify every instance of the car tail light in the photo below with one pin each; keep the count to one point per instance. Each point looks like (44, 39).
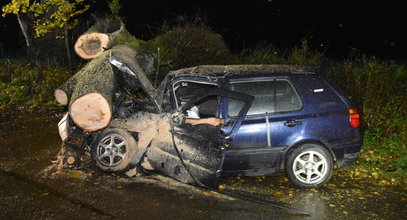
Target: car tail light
(354, 118)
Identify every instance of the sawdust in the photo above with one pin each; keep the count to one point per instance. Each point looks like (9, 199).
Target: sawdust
(149, 126)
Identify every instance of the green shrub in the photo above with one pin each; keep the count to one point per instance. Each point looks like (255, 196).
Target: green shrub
(378, 89)
(24, 85)
(189, 46)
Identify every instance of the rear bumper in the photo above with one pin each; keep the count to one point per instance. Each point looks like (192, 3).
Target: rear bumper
(347, 160)
(346, 153)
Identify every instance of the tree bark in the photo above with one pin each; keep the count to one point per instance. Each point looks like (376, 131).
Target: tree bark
(68, 47)
(104, 35)
(91, 100)
(63, 93)
(25, 23)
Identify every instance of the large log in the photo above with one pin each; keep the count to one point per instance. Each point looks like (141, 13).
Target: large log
(105, 34)
(91, 45)
(63, 93)
(91, 101)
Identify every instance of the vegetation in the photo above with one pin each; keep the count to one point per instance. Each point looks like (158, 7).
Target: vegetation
(25, 86)
(49, 14)
(379, 89)
(189, 46)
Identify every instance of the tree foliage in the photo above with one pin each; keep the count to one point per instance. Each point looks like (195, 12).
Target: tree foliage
(49, 14)
(114, 7)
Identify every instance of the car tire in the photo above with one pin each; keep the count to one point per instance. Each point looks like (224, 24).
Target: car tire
(113, 150)
(309, 166)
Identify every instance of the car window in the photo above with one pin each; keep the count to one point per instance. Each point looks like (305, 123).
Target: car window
(269, 96)
(207, 107)
(286, 98)
(263, 97)
(185, 90)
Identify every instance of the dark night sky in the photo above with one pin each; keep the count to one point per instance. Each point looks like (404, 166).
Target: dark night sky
(372, 27)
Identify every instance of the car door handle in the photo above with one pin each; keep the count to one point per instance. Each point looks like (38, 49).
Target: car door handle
(292, 123)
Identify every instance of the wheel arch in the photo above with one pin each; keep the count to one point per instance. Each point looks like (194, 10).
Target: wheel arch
(290, 148)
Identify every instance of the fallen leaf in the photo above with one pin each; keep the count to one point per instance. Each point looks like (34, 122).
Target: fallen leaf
(207, 192)
(221, 187)
(278, 193)
(75, 174)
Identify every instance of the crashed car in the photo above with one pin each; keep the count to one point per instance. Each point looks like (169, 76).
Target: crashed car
(207, 122)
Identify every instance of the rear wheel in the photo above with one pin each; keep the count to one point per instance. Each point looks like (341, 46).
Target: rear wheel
(309, 166)
(114, 150)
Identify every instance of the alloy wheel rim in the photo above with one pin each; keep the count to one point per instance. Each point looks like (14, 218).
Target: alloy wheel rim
(111, 150)
(310, 167)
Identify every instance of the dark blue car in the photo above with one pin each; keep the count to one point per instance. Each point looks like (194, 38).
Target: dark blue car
(298, 121)
(207, 122)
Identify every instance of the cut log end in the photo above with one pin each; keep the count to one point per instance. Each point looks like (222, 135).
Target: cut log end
(61, 96)
(91, 45)
(91, 112)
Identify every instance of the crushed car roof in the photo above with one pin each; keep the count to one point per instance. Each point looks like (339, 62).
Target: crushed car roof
(228, 70)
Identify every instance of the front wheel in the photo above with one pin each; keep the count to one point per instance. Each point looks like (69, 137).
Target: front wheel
(309, 166)
(114, 150)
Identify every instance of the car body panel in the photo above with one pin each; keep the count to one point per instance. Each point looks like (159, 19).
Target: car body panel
(326, 123)
(247, 144)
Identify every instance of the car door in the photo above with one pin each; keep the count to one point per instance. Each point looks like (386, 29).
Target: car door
(287, 121)
(256, 148)
(251, 148)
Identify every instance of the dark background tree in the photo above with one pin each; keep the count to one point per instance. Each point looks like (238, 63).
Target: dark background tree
(336, 27)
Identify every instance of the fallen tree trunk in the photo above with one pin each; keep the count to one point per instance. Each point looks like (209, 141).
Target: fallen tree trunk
(63, 93)
(105, 34)
(91, 45)
(91, 101)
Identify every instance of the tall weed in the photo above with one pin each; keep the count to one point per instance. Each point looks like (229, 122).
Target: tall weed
(378, 89)
(261, 54)
(269, 54)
